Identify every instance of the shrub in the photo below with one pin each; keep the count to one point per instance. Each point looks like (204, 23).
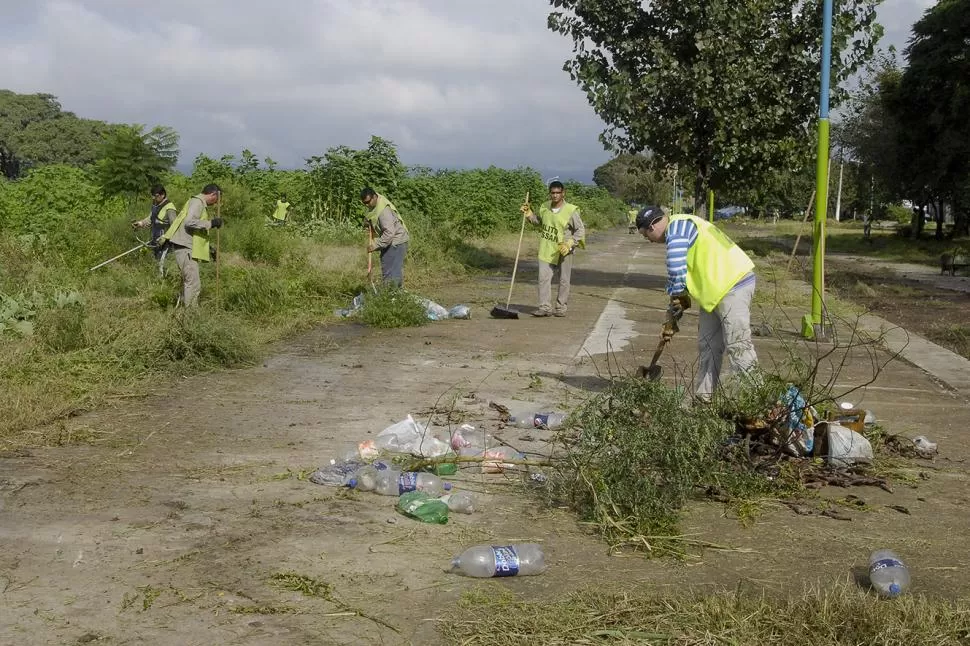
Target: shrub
(204, 339)
(62, 328)
(256, 291)
(392, 307)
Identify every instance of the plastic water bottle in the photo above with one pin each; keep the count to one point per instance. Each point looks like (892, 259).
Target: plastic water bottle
(526, 419)
(888, 574)
(392, 482)
(461, 502)
(365, 478)
(485, 561)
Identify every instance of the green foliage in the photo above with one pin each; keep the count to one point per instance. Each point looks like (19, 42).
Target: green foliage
(634, 179)
(62, 329)
(638, 458)
(202, 338)
(256, 291)
(337, 177)
(702, 85)
(35, 131)
(131, 160)
(257, 243)
(392, 307)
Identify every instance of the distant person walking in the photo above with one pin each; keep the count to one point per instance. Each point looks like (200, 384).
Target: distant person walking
(390, 235)
(188, 236)
(562, 230)
(703, 264)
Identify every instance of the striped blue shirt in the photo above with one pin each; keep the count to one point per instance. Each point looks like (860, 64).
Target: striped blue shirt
(681, 236)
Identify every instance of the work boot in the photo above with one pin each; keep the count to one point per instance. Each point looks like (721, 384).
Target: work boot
(559, 313)
(541, 313)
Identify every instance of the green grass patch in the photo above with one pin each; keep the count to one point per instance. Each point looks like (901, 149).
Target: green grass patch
(954, 336)
(392, 307)
(837, 616)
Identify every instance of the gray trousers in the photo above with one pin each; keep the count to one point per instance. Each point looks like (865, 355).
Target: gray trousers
(189, 268)
(546, 271)
(727, 328)
(392, 264)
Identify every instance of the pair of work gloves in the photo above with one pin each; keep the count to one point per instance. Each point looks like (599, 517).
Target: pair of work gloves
(675, 310)
(565, 247)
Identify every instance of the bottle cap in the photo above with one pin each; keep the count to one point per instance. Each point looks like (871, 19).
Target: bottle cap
(447, 486)
(352, 483)
(894, 589)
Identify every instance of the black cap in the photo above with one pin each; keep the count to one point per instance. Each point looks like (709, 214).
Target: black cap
(648, 215)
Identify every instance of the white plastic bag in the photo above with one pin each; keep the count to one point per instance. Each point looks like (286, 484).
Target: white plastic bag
(434, 311)
(407, 436)
(846, 447)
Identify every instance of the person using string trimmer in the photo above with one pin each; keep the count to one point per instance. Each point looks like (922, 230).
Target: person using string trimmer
(562, 230)
(705, 266)
(188, 235)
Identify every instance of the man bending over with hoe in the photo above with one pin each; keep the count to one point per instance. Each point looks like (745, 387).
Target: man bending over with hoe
(704, 264)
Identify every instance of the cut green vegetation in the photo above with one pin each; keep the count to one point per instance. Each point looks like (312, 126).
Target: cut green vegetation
(392, 307)
(840, 616)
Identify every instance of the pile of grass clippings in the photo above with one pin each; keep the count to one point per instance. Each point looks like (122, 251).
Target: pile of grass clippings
(839, 616)
(392, 307)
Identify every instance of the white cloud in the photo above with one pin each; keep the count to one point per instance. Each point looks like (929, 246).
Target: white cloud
(452, 83)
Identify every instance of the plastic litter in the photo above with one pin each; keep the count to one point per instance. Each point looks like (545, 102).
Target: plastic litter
(434, 311)
(393, 482)
(494, 460)
(484, 561)
(846, 447)
(407, 436)
(924, 447)
(461, 502)
(460, 312)
(524, 419)
(355, 305)
(421, 506)
(800, 423)
(467, 440)
(337, 472)
(888, 574)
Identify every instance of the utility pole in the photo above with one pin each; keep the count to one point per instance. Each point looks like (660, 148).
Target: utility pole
(838, 196)
(813, 325)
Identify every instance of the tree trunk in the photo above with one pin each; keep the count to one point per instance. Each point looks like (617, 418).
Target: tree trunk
(700, 192)
(938, 216)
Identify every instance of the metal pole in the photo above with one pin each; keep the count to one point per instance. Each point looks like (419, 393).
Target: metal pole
(813, 327)
(120, 255)
(838, 195)
(710, 205)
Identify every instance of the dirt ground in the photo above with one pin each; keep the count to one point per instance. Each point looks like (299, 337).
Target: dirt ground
(164, 519)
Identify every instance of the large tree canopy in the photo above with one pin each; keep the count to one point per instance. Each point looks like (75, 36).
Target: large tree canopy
(725, 88)
(35, 131)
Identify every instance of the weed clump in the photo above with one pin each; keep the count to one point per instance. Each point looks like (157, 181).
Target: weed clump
(392, 307)
(637, 459)
(206, 339)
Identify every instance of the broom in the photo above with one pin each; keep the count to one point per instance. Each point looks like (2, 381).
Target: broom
(507, 312)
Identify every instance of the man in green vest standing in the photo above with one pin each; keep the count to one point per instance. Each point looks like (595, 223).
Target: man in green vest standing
(188, 236)
(390, 235)
(705, 265)
(562, 230)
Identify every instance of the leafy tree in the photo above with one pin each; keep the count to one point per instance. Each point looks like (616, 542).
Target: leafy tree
(932, 104)
(35, 131)
(726, 88)
(338, 176)
(131, 160)
(633, 178)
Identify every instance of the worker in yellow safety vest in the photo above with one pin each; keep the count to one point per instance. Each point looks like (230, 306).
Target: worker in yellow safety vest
(706, 266)
(631, 219)
(390, 235)
(162, 215)
(282, 206)
(562, 230)
(188, 236)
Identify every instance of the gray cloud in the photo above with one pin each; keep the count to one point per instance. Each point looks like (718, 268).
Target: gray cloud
(456, 84)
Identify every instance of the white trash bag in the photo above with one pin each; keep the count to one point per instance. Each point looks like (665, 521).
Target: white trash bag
(407, 436)
(846, 447)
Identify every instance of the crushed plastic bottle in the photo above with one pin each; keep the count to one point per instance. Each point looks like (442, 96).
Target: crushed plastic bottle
(525, 419)
(461, 502)
(888, 574)
(497, 460)
(484, 561)
(460, 312)
(365, 478)
(467, 440)
(337, 471)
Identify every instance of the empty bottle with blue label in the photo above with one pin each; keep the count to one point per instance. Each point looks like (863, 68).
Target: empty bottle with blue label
(525, 419)
(484, 561)
(392, 482)
(365, 478)
(888, 574)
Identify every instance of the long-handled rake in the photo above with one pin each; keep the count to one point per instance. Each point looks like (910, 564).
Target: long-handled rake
(507, 312)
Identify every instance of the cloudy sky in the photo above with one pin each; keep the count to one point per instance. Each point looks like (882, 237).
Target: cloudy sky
(453, 83)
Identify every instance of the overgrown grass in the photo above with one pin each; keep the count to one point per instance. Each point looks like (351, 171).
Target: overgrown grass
(837, 616)
(392, 307)
(955, 336)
